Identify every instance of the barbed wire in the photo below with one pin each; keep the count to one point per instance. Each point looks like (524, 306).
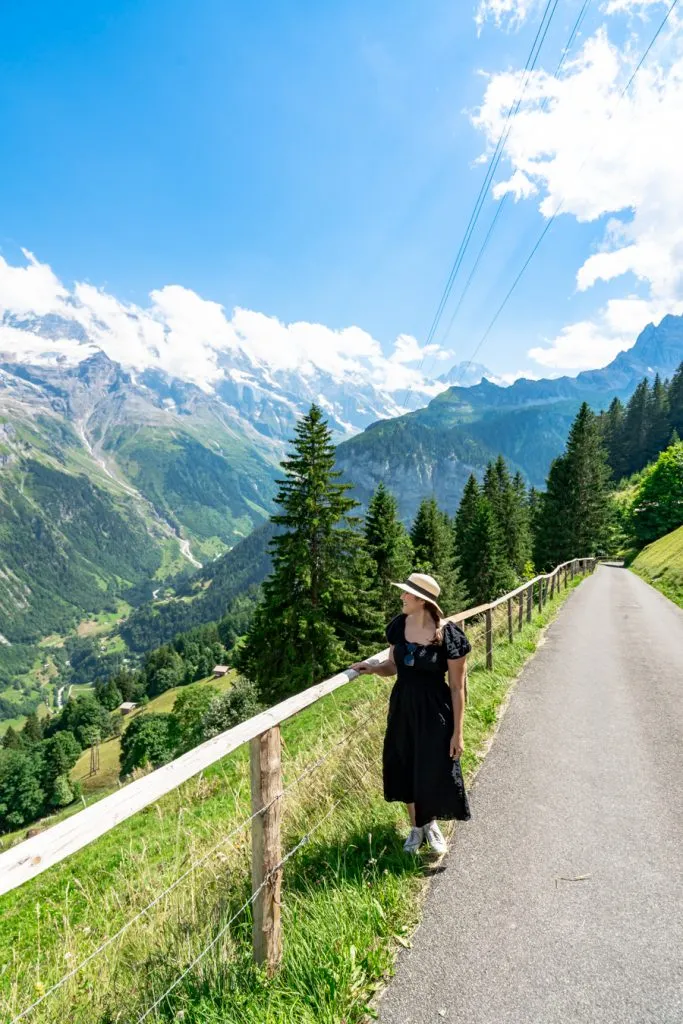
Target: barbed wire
(266, 881)
(308, 770)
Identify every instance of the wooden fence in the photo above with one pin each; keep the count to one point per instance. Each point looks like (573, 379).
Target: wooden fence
(492, 622)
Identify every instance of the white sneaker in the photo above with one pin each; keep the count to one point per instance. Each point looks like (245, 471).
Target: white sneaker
(414, 840)
(434, 837)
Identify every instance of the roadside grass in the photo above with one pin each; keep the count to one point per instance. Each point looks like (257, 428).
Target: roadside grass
(661, 565)
(350, 896)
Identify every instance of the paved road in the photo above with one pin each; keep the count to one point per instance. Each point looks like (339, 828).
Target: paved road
(585, 777)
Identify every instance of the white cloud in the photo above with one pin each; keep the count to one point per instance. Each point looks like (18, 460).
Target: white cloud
(505, 13)
(591, 154)
(186, 335)
(629, 6)
(32, 290)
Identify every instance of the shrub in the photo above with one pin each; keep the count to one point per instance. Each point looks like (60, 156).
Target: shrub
(149, 740)
(232, 707)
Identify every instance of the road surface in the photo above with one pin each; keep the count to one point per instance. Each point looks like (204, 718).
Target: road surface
(562, 900)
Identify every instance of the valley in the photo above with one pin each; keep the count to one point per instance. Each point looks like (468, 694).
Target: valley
(134, 507)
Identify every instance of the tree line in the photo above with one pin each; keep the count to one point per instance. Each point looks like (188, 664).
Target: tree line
(329, 594)
(634, 434)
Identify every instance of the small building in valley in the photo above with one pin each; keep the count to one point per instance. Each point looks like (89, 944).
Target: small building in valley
(219, 671)
(127, 707)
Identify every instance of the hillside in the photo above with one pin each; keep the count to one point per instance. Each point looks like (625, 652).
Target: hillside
(661, 564)
(434, 450)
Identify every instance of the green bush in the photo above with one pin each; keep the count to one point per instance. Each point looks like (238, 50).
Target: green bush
(149, 741)
(231, 708)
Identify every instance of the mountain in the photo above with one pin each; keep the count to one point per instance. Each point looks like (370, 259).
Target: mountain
(434, 450)
(468, 374)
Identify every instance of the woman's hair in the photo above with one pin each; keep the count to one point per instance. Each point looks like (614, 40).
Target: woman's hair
(438, 630)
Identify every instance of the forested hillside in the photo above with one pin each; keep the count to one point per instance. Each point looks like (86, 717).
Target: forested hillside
(433, 450)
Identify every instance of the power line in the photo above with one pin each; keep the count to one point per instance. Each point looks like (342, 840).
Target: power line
(565, 52)
(560, 206)
(534, 53)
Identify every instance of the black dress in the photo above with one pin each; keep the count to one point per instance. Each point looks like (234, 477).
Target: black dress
(417, 765)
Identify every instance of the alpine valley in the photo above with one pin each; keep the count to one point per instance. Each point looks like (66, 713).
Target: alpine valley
(123, 490)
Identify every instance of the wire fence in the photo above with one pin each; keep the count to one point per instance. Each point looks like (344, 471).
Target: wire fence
(184, 921)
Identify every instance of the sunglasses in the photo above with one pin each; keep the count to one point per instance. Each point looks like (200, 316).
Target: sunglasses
(409, 656)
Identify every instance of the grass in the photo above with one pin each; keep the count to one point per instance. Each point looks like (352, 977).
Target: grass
(110, 750)
(350, 896)
(18, 722)
(661, 564)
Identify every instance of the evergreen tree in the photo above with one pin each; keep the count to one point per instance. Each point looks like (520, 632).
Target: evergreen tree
(675, 397)
(636, 429)
(390, 549)
(466, 537)
(659, 427)
(521, 548)
(33, 730)
(433, 546)
(12, 740)
(575, 514)
(318, 595)
(612, 423)
(489, 573)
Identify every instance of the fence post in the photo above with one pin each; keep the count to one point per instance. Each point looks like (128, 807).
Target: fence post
(529, 601)
(552, 586)
(266, 787)
(521, 612)
(489, 639)
(540, 596)
(510, 619)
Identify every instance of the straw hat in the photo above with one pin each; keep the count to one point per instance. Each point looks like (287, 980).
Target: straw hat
(422, 586)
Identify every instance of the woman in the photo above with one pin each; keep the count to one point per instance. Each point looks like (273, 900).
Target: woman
(423, 741)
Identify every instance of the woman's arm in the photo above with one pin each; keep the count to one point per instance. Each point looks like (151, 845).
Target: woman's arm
(456, 680)
(386, 668)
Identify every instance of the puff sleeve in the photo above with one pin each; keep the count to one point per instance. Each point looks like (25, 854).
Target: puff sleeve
(456, 643)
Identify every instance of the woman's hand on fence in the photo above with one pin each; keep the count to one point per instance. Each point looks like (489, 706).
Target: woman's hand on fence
(362, 667)
(457, 746)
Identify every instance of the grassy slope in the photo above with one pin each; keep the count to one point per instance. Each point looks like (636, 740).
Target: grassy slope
(661, 564)
(106, 781)
(350, 895)
(110, 750)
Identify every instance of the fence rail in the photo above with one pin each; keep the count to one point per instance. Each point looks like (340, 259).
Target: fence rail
(31, 857)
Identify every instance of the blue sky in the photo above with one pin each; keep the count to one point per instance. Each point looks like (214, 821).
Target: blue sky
(312, 162)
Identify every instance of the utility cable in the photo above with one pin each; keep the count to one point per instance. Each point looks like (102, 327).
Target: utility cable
(560, 206)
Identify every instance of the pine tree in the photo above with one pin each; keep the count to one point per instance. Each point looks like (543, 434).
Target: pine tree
(522, 542)
(659, 427)
(33, 730)
(636, 423)
(575, 512)
(11, 740)
(612, 423)
(317, 596)
(489, 573)
(466, 538)
(389, 546)
(676, 401)
(432, 539)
